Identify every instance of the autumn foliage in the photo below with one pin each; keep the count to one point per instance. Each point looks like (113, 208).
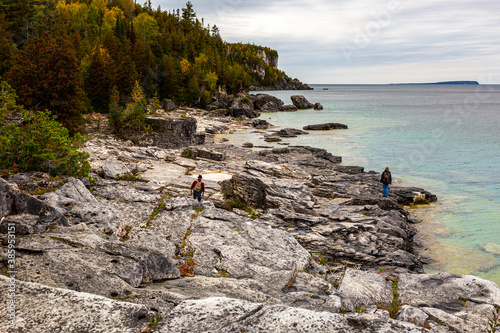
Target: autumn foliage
(66, 56)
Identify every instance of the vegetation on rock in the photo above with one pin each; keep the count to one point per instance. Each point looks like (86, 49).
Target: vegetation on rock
(37, 142)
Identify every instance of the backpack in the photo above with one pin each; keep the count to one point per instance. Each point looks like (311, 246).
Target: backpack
(386, 177)
(197, 187)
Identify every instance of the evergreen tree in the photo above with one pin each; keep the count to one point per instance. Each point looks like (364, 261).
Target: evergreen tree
(47, 76)
(100, 80)
(188, 13)
(7, 49)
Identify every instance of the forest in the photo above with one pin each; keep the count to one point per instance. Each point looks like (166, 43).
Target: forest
(73, 57)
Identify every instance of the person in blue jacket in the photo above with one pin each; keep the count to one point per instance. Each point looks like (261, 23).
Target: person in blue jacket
(386, 180)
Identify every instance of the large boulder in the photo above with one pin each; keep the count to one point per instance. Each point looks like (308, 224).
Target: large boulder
(260, 191)
(290, 132)
(301, 102)
(463, 303)
(171, 132)
(317, 106)
(412, 195)
(221, 101)
(168, 105)
(250, 189)
(29, 214)
(324, 127)
(193, 152)
(242, 107)
(288, 107)
(267, 103)
(261, 124)
(114, 169)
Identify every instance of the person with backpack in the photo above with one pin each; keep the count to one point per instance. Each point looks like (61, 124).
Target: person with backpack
(386, 180)
(198, 189)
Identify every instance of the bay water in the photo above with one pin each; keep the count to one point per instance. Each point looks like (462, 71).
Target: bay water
(444, 138)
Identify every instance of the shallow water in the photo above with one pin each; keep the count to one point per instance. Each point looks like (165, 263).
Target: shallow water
(445, 139)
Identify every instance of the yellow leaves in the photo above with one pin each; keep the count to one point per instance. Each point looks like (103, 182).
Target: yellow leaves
(211, 79)
(185, 66)
(200, 61)
(75, 13)
(137, 93)
(99, 4)
(110, 17)
(147, 26)
(78, 14)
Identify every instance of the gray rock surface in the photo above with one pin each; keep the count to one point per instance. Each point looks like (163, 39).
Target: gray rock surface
(44, 309)
(242, 107)
(168, 105)
(324, 127)
(232, 315)
(114, 169)
(284, 240)
(40, 215)
(171, 132)
(288, 108)
(301, 102)
(463, 303)
(267, 103)
(317, 106)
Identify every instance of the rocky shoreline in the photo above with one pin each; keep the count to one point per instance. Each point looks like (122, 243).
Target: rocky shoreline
(286, 240)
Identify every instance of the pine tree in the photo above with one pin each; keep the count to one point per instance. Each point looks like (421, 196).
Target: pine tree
(7, 49)
(47, 76)
(100, 80)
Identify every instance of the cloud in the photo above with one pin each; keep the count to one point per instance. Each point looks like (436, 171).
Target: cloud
(366, 41)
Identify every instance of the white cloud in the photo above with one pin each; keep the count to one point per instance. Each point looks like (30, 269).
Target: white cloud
(390, 40)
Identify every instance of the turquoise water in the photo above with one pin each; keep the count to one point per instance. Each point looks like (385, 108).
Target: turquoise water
(445, 139)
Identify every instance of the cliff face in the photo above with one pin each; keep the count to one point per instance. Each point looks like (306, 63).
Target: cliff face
(267, 60)
(263, 62)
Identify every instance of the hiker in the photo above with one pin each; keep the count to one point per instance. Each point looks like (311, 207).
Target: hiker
(386, 180)
(198, 189)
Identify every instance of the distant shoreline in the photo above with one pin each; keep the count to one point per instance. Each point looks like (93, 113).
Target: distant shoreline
(468, 83)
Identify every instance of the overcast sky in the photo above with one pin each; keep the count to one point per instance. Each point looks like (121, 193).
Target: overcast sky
(365, 41)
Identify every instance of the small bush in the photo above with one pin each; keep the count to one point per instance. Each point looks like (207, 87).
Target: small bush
(132, 117)
(494, 321)
(38, 142)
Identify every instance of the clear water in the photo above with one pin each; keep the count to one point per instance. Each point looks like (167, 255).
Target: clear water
(443, 138)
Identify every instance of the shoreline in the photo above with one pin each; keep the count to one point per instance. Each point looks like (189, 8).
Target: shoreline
(279, 231)
(432, 260)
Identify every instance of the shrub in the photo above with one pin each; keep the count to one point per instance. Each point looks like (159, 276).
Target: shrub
(38, 143)
(132, 117)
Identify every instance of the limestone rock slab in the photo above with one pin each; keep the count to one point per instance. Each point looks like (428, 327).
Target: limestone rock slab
(44, 309)
(220, 314)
